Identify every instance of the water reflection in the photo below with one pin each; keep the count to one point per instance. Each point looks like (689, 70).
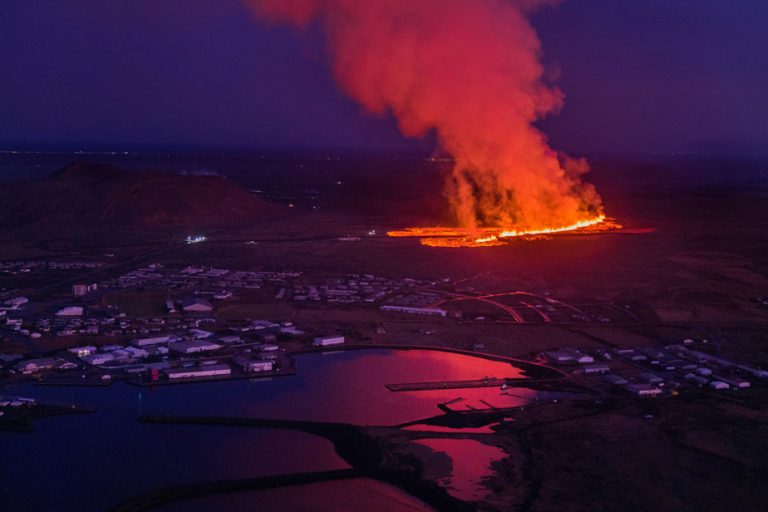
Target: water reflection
(471, 463)
(119, 457)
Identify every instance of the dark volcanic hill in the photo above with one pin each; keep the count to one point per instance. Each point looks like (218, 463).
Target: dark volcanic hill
(98, 196)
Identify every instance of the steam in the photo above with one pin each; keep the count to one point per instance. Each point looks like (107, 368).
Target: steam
(470, 70)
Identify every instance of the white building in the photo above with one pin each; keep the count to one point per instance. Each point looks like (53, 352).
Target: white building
(203, 371)
(643, 389)
(326, 341)
(82, 351)
(254, 365)
(99, 358)
(70, 311)
(15, 303)
(195, 305)
(733, 381)
(193, 347)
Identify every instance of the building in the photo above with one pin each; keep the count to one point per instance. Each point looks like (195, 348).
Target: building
(326, 341)
(100, 358)
(595, 368)
(80, 289)
(415, 310)
(615, 380)
(200, 334)
(70, 311)
(254, 365)
(82, 351)
(195, 305)
(143, 342)
(733, 381)
(15, 303)
(643, 390)
(35, 365)
(559, 356)
(193, 347)
(567, 356)
(202, 371)
(650, 378)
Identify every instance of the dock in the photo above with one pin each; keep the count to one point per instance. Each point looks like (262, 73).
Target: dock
(487, 382)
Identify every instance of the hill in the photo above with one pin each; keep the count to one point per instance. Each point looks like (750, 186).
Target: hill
(98, 196)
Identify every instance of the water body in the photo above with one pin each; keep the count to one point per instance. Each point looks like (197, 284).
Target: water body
(93, 461)
(345, 496)
(470, 464)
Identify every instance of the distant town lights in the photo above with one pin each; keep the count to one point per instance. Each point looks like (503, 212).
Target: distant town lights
(195, 239)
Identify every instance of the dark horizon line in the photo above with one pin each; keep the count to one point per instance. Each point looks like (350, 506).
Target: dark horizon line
(11, 148)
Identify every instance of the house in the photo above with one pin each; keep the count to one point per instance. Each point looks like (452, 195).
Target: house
(195, 305)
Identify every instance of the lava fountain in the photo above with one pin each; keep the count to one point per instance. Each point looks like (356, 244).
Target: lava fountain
(471, 73)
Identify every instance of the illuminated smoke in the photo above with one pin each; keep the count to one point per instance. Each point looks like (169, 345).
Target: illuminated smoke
(470, 70)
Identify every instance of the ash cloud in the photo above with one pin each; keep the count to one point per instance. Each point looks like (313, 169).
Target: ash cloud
(471, 71)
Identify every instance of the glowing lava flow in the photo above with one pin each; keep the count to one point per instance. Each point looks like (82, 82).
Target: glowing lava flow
(488, 237)
(545, 231)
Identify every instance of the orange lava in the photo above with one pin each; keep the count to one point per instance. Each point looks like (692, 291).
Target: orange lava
(489, 237)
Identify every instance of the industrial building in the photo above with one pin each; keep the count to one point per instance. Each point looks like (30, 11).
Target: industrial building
(193, 347)
(202, 371)
(254, 365)
(643, 389)
(415, 310)
(325, 341)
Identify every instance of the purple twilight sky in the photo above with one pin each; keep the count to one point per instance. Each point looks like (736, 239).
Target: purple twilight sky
(639, 76)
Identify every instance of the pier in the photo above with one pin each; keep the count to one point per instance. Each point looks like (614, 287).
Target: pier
(486, 382)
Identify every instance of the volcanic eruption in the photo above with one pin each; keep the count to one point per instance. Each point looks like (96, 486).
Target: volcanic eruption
(471, 71)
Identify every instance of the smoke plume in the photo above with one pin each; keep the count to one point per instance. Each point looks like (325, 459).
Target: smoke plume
(470, 70)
